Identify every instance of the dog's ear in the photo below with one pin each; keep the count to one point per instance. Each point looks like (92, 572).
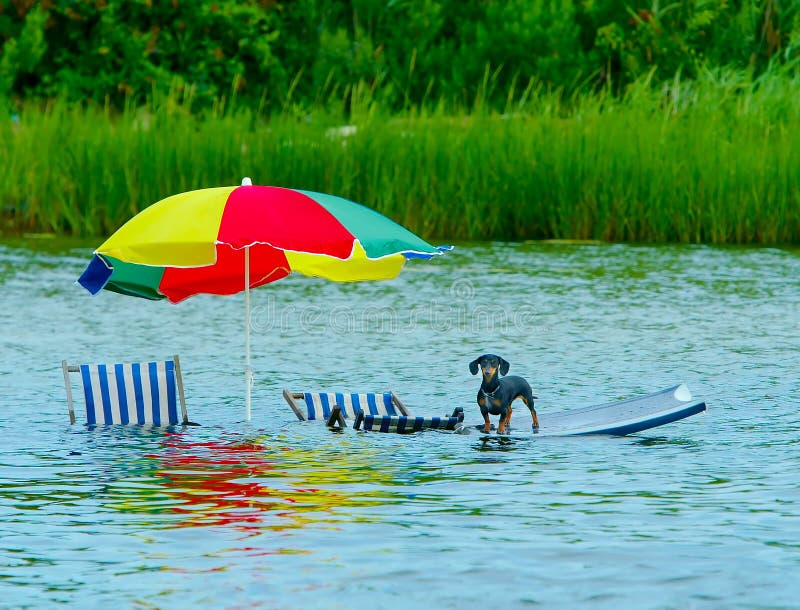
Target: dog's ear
(473, 366)
(504, 366)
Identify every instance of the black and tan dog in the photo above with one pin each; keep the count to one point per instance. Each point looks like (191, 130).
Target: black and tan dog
(496, 395)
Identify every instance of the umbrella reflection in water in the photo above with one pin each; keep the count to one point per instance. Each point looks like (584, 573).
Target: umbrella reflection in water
(240, 483)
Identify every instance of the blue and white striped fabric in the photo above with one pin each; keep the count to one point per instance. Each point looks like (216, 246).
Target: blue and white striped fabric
(403, 423)
(319, 404)
(131, 393)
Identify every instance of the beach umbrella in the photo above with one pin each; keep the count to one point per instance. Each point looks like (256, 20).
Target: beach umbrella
(230, 239)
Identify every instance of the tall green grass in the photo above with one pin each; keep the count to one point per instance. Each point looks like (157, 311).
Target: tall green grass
(709, 161)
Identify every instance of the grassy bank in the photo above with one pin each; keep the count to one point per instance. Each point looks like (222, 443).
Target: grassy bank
(716, 161)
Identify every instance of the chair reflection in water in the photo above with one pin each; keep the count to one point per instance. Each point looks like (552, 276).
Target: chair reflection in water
(146, 393)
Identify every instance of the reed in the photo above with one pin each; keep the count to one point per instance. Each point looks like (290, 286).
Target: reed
(715, 160)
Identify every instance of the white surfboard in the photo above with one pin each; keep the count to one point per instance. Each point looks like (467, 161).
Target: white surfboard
(615, 418)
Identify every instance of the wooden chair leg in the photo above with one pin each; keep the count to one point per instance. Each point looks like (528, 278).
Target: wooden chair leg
(336, 419)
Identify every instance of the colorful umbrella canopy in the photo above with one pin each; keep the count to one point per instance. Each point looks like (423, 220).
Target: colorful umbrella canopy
(195, 243)
(228, 239)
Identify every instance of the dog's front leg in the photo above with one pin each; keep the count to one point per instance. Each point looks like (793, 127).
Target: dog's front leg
(505, 418)
(485, 412)
(505, 421)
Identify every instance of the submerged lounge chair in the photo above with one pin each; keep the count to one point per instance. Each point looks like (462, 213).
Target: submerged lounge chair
(129, 393)
(379, 412)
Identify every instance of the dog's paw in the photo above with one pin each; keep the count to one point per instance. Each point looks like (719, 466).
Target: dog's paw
(535, 428)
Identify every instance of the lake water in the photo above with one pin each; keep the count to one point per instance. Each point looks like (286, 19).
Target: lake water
(273, 513)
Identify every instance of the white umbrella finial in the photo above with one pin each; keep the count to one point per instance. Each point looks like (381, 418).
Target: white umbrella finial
(246, 181)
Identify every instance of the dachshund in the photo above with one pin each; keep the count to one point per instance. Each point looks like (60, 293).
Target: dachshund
(496, 395)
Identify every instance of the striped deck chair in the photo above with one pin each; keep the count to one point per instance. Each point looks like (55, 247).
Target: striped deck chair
(130, 393)
(379, 412)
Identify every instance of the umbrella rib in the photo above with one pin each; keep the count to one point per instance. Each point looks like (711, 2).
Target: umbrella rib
(323, 255)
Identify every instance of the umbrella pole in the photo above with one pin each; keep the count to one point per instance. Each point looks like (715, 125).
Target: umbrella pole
(248, 372)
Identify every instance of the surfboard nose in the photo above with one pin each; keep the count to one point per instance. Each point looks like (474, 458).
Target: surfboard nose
(682, 393)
